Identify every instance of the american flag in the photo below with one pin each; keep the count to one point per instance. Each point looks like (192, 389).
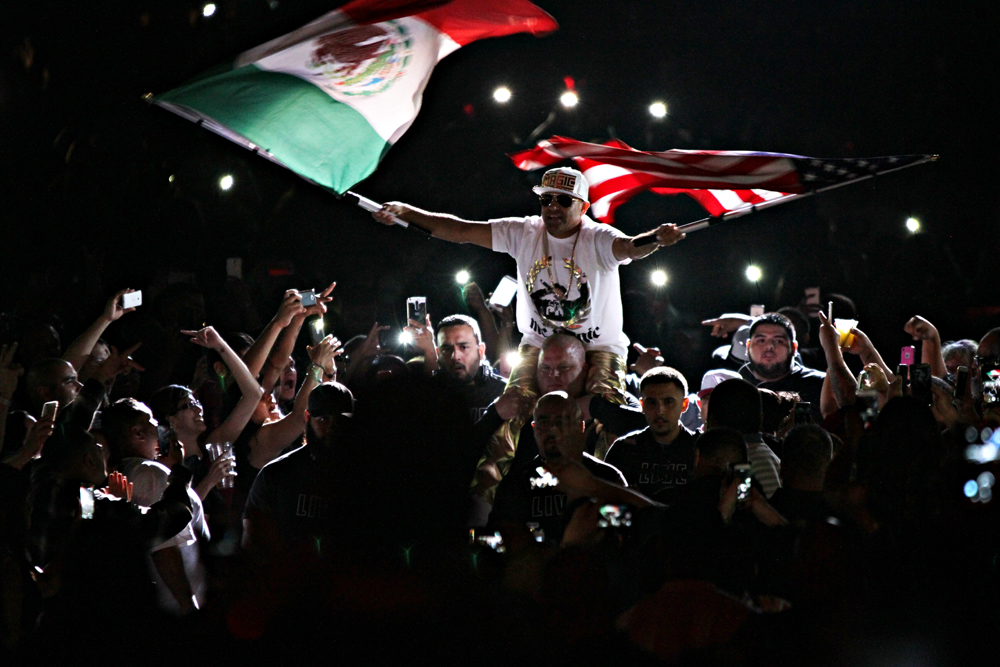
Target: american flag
(723, 182)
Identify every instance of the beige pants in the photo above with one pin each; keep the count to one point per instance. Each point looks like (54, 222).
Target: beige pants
(605, 378)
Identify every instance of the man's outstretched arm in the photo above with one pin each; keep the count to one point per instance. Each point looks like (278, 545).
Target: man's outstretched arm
(440, 225)
(625, 247)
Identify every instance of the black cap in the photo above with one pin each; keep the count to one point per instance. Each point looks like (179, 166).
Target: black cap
(331, 398)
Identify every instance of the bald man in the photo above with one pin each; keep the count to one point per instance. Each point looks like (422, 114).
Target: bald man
(558, 428)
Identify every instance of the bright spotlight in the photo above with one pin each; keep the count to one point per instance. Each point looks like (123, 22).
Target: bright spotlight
(170, 178)
(658, 277)
(512, 358)
(913, 225)
(462, 277)
(405, 338)
(657, 109)
(502, 94)
(569, 99)
(208, 10)
(226, 182)
(753, 274)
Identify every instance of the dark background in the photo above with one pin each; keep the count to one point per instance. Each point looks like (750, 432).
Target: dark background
(88, 205)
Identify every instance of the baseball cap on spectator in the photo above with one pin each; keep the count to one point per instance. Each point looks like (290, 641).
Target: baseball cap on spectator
(563, 181)
(736, 353)
(714, 378)
(331, 398)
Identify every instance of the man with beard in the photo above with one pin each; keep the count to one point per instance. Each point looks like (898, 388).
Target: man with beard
(289, 502)
(771, 349)
(460, 353)
(661, 456)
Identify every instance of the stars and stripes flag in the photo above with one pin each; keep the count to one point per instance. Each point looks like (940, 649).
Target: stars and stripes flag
(330, 98)
(725, 183)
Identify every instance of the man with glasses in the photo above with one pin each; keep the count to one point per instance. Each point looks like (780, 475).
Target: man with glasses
(567, 264)
(567, 274)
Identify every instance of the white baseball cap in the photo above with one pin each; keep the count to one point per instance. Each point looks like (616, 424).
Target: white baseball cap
(714, 378)
(563, 180)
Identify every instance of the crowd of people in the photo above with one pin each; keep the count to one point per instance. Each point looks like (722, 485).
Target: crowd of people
(804, 502)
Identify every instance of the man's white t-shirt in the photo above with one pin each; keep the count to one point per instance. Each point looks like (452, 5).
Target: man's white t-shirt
(150, 479)
(592, 308)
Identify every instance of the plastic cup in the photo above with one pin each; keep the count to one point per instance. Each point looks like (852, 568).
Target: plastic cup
(844, 328)
(217, 450)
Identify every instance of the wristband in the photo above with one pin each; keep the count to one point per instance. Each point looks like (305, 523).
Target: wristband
(317, 372)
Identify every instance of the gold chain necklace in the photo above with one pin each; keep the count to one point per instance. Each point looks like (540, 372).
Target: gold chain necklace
(560, 293)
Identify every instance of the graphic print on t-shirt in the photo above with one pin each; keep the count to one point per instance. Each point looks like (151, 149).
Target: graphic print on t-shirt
(559, 306)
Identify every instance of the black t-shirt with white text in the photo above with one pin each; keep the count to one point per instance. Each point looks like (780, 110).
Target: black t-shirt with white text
(519, 502)
(650, 467)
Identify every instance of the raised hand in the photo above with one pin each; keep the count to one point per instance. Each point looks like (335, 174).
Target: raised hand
(829, 337)
(324, 352)
(727, 323)
(116, 364)
(474, 298)
(385, 216)
(113, 309)
(207, 337)
(668, 234)
(291, 305)
(649, 357)
(371, 347)
(423, 336)
(37, 435)
(322, 298)
(119, 487)
(921, 329)
(860, 343)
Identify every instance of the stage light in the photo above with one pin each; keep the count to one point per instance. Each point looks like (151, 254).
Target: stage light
(569, 99)
(226, 182)
(512, 358)
(208, 10)
(658, 110)
(170, 178)
(462, 277)
(405, 338)
(317, 325)
(658, 277)
(913, 225)
(753, 273)
(502, 94)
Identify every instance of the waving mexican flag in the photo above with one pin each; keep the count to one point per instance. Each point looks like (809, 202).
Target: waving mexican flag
(329, 99)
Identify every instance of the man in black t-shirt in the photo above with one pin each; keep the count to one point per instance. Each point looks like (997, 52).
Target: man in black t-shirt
(289, 501)
(660, 456)
(527, 496)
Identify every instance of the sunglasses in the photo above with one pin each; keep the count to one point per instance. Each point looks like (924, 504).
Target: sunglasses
(564, 200)
(190, 404)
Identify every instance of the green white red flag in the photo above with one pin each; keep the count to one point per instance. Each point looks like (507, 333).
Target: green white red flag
(329, 99)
